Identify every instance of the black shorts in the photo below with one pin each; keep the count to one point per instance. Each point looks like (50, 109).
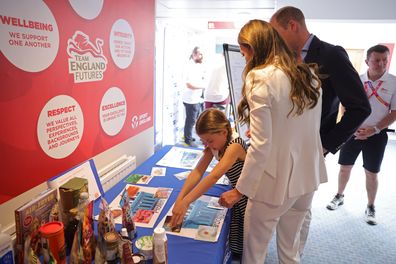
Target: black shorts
(373, 150)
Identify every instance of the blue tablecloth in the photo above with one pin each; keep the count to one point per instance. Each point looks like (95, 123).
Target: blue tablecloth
(181, 250)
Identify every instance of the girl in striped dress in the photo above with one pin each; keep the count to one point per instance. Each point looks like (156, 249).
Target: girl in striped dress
(215, 132)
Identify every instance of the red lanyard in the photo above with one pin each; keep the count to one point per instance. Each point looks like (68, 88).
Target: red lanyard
(374, 91)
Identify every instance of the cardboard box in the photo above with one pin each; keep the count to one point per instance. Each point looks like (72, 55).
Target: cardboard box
(69, 194)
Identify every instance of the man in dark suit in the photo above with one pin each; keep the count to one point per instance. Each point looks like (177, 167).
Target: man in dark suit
(340, 83)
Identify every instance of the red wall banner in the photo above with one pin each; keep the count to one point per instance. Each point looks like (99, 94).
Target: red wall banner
(76, 80)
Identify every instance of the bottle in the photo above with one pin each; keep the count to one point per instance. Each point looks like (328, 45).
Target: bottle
(127, 219)
(160, 246)
(125, 248)
(82, 204)
(131, 229)
(111, 240)
(124, 233)
(6, 250)
(71, 229)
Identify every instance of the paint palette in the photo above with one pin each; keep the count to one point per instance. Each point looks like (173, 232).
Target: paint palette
(143, 201)
(199, 214)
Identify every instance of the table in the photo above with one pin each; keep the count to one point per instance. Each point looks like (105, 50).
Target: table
(181, 250)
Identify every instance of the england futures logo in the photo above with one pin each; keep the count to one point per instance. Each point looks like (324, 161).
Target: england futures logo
(86, 60)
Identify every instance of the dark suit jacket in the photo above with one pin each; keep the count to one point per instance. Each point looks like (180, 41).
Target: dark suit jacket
(341, 83)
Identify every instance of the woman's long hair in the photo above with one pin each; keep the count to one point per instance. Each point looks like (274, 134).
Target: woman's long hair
(268, 48)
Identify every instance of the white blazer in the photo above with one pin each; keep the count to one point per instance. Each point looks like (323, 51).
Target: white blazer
(285, 156)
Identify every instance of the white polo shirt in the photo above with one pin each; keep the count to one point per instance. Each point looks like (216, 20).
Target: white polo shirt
(382, 100)
(217, 89)
(195, 74)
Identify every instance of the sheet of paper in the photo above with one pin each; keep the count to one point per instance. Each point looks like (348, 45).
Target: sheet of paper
(138, 178)
(194, 222)
(145, 179)
(148, 203)
(214, 203)
(182, 175)
(182, 158)
(223, 180)
(158, 171)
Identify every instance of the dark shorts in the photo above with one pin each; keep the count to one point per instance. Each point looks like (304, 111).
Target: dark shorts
(372, 150)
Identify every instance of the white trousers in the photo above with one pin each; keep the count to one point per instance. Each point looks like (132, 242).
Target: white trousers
(260, 222)
(304, 231)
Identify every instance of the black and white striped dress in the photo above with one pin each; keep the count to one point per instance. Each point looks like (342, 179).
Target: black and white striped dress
(238, 210)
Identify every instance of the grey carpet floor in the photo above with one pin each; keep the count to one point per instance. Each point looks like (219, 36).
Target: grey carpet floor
(342, 236)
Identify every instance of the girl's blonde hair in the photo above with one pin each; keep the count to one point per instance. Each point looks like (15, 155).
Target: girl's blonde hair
(268, 48)
(213, 121)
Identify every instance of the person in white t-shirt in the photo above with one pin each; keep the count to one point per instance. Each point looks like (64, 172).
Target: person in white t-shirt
(217, 93)
(195, 83)
(370, 138)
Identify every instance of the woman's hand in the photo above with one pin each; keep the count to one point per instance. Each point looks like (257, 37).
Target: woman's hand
(247, 133)
(179, 210)
(229, 198)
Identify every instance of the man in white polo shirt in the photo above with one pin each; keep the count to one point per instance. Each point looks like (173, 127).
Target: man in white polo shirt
(371, 137)
(195, 83)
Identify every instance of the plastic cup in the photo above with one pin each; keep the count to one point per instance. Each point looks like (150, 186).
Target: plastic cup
(53, 232)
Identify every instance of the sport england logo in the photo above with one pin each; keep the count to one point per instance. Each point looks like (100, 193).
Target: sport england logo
(140, 120)
(135, 121)
(87, 62)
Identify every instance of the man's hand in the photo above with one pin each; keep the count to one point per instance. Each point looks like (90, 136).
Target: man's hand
(364, 132)
(179, 210)
(229, 198)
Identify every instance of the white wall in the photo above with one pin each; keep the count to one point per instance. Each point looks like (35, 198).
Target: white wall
(356, 35)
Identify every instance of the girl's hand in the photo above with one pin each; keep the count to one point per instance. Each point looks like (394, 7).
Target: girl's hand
(179, 210)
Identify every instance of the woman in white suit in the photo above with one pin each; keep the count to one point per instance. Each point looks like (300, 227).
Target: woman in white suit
(281, 102)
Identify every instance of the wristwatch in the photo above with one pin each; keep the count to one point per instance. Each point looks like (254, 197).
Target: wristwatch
(376, 129)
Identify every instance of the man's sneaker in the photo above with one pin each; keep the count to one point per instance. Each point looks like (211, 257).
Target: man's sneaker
(190, 144)
(337, 201)
(370, 215)
(193, 139)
